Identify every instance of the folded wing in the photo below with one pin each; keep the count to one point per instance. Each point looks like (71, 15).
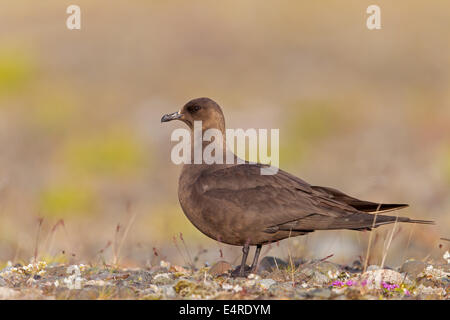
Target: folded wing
(285, 202)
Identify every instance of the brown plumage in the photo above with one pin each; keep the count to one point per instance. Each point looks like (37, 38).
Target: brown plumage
(235, 204)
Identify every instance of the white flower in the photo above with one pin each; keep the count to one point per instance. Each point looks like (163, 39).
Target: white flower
(99, 283)
(434, 272)
(74, 280)
(74, 269)
(162, 275)
(446, 256)
(237, 288)
(153, 288)
(227, 286)
(429, 290)
(249, 283)
(267, 283)
(333, 274)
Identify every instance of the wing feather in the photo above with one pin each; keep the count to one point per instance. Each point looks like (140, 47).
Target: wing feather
(276, 199)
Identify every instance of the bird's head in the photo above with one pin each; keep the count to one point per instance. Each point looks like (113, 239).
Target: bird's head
(201, 109)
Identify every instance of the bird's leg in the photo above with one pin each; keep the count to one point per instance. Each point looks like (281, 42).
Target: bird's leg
(255, 259)
(242, 270)
(245, 251)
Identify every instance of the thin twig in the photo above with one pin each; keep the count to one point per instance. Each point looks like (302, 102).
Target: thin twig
(276, 263)
(69, 244)
(370, 238)
(187, 251)
(116, 234)
(117, 245)
(178, 249)
(290, 258)
(51, 236)
(127, 229)
(321, 260)
(36, 249)
(389, 243)
(16, 253)
(409, 241)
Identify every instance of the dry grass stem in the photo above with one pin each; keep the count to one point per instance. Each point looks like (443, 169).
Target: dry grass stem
(370, 238)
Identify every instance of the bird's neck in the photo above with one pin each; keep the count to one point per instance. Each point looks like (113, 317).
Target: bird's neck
(209, 146)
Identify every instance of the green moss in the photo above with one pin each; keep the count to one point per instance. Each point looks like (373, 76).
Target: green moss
(186, 288)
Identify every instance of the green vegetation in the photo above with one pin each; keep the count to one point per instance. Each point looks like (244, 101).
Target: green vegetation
(16, 69)
(53, 110)
(66, 200)
(445, 163)
(309, 123)
(113, 153)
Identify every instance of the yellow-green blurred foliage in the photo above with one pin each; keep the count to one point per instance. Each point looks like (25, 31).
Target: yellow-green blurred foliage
(107, 153)
(16, 69)
(307, 124)
(52, 111)
(445, 163)
(61, 201)
(166, 220)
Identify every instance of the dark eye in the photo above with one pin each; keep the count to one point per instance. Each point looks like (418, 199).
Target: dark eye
(193, 109)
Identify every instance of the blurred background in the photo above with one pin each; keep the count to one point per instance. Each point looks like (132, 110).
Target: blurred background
(85, 170)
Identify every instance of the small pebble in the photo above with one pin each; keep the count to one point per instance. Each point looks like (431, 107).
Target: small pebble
(220, 268)
(266, 283)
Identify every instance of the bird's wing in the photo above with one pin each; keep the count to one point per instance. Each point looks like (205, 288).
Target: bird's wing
(278, 200)
(361, 205)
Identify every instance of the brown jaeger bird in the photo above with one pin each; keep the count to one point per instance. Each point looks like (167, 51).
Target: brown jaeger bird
(235, 204)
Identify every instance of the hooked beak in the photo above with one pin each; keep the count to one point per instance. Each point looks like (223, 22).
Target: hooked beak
(171, 116)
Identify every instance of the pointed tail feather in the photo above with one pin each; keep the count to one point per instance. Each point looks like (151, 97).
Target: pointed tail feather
(357, 221)
(420, 221)
(382, 220)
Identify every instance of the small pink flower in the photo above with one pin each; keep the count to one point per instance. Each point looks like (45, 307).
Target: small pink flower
(364, 283)
(349, 283)
(337, 283)
(388, 286)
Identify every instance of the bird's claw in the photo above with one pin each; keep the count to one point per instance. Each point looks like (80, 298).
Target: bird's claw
(236, 273)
